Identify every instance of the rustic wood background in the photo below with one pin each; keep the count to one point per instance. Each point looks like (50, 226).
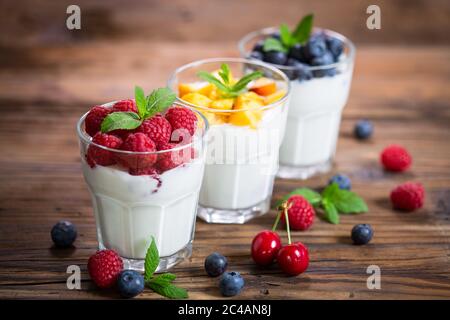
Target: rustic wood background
(49, 76)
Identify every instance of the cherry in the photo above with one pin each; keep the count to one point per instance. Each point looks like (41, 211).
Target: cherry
(293, 258)
(265, 247)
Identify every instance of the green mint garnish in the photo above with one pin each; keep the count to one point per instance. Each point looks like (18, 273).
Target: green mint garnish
(147, 106)
(162, 283)
(229, 90)
(333, 201)
(289, 39)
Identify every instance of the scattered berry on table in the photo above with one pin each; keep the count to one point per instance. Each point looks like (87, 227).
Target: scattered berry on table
(265, 247)
(64, 234)
(125, 106)
(96, 155)
(137, 142)
(362, 234)
(293, 259)
(104, 268)
(181, 118)
(156, 128)
(130, 283)
(342, 180)
(301, 213)
(408, 196)
(231, 284)
(215, 264)
(275, 57)
(363, 129)
(395, 158)
(94, 119)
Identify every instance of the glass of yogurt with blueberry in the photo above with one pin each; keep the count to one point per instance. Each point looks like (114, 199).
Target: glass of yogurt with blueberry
(143, 162)
(245, 103)
(319, 64)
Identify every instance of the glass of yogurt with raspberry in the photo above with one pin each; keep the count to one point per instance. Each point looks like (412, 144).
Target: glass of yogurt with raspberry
(144, 182)
(320, 70)
(245, 103)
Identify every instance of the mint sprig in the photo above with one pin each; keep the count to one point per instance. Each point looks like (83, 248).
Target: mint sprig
(289, 39)
(162, 283)
(333, 201)
(229, 90)
(157, 101)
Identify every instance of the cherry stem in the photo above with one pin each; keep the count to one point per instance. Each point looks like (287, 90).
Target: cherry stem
(277, 220)
(288, 229)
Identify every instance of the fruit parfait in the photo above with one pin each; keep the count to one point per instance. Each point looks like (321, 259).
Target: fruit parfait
(143, 162)
(319, 63)
(245, 103)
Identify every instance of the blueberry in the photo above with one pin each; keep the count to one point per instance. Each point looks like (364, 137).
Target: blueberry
(275, 57)
(215, 264)
(64, 234)
(335, 46)
(302, 71)
(130, 283)
(296, 52)
(363, 129)
(342, 180)
(362, 234)
(259, 46)
(324, 60)
(257, 55)
(314, 48)
(231, 284)
(276, 35)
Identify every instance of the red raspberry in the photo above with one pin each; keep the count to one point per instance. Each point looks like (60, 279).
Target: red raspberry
(125, 106)
(138, 142)
(156, 128)
(408, 196)
(169, 160)
(181, 118)
(144, 172)
(94, 119)
(96, 155)
(104, 268)
(301, 213)
(395, 158)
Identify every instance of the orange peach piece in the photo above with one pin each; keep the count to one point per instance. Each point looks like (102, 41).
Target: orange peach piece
(264, 86)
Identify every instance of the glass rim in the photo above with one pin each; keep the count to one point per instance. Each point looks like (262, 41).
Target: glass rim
(83, 136)
(265, 65)
(270, 30)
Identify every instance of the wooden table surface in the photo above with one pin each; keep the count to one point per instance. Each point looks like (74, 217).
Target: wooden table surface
(403, 90)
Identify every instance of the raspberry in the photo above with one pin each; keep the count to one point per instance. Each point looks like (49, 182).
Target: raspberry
(144, 172)
(408, 196)
(181, 118)
(104, 268)
(395, 158)
(301, 213)
(96, 155)
(138, 142)
(94, 119)
(169, 160)
(125, 106)
(156, 128)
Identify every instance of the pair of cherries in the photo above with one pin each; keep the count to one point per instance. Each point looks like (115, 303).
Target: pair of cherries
(292, 259)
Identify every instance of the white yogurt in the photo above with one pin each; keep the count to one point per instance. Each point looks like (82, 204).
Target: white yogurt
(130, 209)
(313, 121)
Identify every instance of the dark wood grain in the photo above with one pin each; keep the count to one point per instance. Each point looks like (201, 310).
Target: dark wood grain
(406, 96)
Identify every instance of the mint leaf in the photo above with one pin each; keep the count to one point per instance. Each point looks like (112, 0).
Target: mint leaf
(286, 37)
(331, 213)
(141, 102)
(272, 44)
(159, 100)
(164, 279)
(169, 290)
(120, 120)
(213, 80)
(224, 73)
(348, 202)
(312, 196)
(151, 260)
(245, 80)
(303, 29)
